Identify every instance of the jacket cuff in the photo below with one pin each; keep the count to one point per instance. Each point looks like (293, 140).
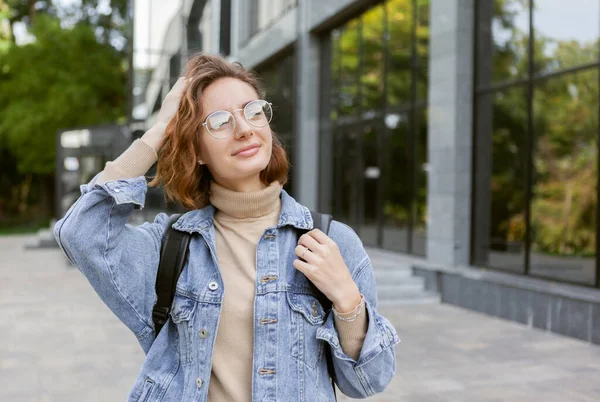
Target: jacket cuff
(352, 333)
(124, 191)
(380, 335)
(134, 162)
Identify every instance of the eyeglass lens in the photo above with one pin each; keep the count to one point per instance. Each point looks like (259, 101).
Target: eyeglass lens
(257, 113)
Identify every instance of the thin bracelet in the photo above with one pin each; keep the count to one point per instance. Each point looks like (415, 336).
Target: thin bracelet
(354, 316)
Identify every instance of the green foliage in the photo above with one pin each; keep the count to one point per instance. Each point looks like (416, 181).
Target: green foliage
(565, 158)
(66, 78)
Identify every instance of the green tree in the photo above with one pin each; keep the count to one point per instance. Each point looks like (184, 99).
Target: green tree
(107, 18)
(563, 209)
(66, 78)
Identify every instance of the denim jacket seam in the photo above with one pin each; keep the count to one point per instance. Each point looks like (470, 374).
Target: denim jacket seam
(363, 381)
(58, 228)
(138, 334)
(361, 268)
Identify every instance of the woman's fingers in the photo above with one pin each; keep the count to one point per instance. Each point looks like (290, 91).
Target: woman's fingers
(303, 267)
(309, 242)
(170, 104)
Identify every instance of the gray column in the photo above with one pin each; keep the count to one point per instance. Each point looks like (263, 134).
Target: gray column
(450, 131)
(236, 7)
(306, 171)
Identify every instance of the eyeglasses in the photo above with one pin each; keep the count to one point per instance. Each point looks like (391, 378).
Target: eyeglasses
(221, 124)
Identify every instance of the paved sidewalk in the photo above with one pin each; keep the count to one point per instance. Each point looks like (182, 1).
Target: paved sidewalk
(59, 343)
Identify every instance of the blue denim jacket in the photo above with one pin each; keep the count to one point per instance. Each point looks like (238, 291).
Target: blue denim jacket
(120, 262)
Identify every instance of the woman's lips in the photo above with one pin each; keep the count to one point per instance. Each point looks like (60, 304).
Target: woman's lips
(248, 151)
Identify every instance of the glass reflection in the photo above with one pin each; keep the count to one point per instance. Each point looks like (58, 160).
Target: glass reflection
(400, 23)
(396, 191)
(507, 202)
(370, 173)
(371, 78)
(563, 208)
(508, 37)
(278, 81)
(565, 36)
(381, 142)
(422, 47)
(419, 237)
(349, 60)
(345, 172)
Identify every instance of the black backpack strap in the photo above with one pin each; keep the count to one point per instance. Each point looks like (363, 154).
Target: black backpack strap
(322, 222)
(172, 259)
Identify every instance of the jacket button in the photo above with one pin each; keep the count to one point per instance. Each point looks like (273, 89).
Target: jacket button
(203, 333)
(213, 286)
(199, 382)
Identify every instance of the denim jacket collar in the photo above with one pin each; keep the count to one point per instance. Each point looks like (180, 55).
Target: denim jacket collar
(292, 213)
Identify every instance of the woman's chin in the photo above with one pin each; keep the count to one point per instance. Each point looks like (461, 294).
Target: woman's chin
(250, 168)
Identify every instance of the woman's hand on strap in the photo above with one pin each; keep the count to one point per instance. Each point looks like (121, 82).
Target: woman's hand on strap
(320, 260)
(155, 135)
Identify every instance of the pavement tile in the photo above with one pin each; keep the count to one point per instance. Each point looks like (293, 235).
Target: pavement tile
(60, 343)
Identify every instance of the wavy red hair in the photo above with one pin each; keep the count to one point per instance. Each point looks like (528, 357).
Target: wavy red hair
(185, 182)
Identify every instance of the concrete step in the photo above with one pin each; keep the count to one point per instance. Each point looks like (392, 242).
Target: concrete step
(396, 285)
(390, 264)
(400, 291)
(44, 239)
(422, 298)
(400, 278)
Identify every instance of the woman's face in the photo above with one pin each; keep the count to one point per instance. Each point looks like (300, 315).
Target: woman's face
(235, 170)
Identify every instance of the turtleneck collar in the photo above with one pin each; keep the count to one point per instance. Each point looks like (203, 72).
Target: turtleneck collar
(246, 205)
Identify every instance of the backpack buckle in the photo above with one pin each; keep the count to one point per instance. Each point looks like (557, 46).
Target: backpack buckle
(160, 314)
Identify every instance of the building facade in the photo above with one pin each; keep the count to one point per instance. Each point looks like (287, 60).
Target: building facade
(460, 133)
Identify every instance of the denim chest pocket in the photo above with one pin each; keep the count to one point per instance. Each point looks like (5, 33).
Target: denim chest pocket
(182, 311)
(146, 390)
(307, 316)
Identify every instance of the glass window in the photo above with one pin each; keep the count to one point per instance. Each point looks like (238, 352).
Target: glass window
(552, 134)
(565, 35)
(264, 13)
(422, 48)
(503, 40)
(349, 64)
(563, 207)
(379, 182)
(396, 191)
(400, 23)
(419, 236)
(345, 172)
(278, 81)
(501, 179)
(336, 74)
(369, 176)
(371, 77)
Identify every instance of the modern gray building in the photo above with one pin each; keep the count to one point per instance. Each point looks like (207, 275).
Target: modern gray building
(461, 134)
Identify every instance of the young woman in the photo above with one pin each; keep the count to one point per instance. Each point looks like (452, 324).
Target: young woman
(245, 324)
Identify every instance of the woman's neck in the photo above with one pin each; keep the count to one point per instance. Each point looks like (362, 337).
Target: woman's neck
(242, 186)
(249, 204)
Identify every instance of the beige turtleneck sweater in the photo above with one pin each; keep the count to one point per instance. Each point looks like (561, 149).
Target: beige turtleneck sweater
(240, 220)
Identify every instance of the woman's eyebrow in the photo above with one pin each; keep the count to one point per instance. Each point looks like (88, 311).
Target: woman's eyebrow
(243, 105)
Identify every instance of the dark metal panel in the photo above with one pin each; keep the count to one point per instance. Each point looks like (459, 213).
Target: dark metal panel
(530, 140)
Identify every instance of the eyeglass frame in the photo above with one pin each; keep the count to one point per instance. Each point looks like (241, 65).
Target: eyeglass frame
(205, 124)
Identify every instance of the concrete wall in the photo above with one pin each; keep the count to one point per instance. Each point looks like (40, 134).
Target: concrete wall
(564, 309)
(450, 131)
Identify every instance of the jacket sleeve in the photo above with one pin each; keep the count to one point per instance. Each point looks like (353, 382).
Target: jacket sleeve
(119, 260)
(376, 364)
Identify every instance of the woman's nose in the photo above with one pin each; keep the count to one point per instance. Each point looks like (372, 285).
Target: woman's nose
(243, 128)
